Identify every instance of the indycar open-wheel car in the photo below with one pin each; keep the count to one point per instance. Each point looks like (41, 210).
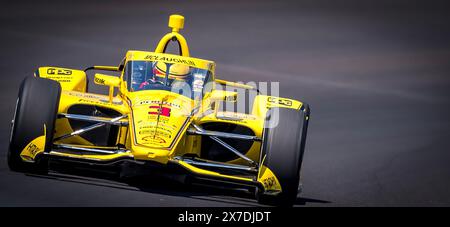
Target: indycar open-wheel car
(165, 115)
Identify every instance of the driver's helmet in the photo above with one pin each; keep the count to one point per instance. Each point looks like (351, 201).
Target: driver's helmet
(176, 71)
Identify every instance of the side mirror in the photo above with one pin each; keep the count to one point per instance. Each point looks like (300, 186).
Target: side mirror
(106, 80)
(226, 96)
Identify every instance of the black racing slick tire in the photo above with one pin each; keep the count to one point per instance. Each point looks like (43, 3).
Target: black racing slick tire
(36, 106)
(282, 152)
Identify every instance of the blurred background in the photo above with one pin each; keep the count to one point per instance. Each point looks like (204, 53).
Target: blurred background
(375, 73)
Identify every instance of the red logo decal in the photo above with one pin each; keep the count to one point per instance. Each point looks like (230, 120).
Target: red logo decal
(164, 111)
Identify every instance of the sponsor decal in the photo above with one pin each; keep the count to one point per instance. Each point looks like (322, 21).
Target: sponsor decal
(99, 99)
(56, 71)
(269, 182)
(230, 98)
(32, 149)
(159, 110)
(158, 102)
(279, 101)
(153, 139)
(100, 102)
(99, 80)
(159, 133)
(150, 125)
(169, 59)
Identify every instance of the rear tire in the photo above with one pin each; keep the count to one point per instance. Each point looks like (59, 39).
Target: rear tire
(37, 104)
(283, 147)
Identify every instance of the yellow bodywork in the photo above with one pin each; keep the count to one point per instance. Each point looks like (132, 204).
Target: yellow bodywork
(70, 79)
(142, 138)
(34, 148)
(268, 179)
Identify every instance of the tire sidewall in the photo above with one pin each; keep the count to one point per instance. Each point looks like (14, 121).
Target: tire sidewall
(36, 106)
(294, 129)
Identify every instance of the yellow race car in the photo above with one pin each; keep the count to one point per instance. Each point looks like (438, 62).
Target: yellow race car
(161, 113)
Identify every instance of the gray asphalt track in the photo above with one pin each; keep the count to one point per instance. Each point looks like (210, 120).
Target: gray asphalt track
(376, 74)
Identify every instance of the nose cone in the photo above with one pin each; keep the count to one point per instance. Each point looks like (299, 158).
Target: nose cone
(159, 117)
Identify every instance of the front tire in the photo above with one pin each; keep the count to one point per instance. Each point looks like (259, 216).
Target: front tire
(36, 106)
(282, 152)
